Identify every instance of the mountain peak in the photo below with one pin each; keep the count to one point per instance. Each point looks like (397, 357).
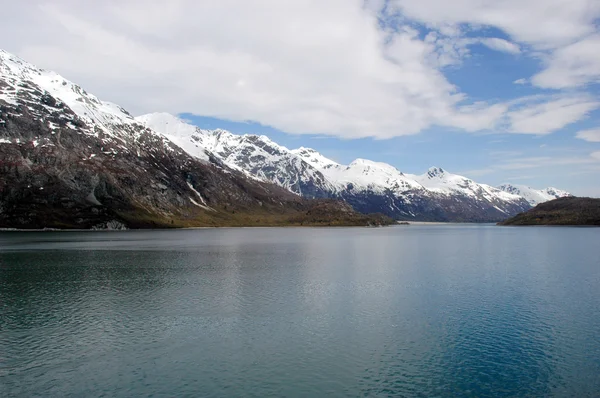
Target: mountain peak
(435, 172)
(314, 158)
(305, 149)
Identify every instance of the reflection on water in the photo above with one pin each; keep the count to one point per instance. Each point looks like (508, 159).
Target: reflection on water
(404, 311)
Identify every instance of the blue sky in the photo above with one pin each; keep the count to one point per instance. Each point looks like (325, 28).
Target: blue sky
(499, 91)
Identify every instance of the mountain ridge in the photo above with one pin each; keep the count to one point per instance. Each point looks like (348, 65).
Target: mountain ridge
(56, 109)
(367, 185)
(70, 160)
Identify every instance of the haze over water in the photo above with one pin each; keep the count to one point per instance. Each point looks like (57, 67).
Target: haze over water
(444, 310)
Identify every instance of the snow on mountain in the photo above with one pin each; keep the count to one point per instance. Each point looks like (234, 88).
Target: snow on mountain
(256, 155)
(534, 196)
(439, 180)
(369, 186)
(186, 136)
(314, 158)
(303, 170)
(70, 160)
(367, 175)
(16, 73)
(59, 103)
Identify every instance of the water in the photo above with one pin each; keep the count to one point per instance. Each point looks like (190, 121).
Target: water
(403, 311)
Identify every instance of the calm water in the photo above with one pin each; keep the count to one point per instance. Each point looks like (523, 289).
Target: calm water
(403, 311)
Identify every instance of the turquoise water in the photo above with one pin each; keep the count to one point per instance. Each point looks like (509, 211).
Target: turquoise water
(446, 311)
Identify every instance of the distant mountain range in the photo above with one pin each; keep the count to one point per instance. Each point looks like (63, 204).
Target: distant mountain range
(70, 159)
(367, 185)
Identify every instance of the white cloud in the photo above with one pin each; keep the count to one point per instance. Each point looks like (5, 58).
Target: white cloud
(303, 66)
(543, 23)
(591, 135)
(545, 161)
(520, 81)
(572, 66)
(501, 45)
(596, 155)
(545, 117)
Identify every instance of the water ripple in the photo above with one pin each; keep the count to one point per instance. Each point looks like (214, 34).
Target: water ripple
(409, 312)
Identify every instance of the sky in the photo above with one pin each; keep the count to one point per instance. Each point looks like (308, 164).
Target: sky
(496, 90)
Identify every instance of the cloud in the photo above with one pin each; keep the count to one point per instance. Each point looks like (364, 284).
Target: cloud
(303, 66)
(545, 117)
(596, 155)
(564, 34)
(541, 23)
(591, 135)
(299, 66)
(572, 66)
(520, 81)
(501, 45)
(544, 161)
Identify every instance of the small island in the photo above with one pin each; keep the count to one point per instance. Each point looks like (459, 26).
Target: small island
(562, 211)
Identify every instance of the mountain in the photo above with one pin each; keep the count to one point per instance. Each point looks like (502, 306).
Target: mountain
(534, 196)
(256, 156)
(562, 211)
(70, 160)
(367, 185)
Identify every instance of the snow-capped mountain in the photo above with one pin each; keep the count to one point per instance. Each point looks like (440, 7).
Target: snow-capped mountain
(70, 160)
(534, 196)
(58, 138)
(367, 185)
(257, 156)
(25, 83)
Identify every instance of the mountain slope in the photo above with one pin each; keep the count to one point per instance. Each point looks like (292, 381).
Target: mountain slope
(256, 156)
(69, 160)
(561, 211)
(368, 186)
(534, 196)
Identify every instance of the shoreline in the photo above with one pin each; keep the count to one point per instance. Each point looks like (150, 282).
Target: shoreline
(188, 228)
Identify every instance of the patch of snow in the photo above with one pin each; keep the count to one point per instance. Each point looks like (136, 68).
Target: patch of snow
(203, 205)
(199, 205)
